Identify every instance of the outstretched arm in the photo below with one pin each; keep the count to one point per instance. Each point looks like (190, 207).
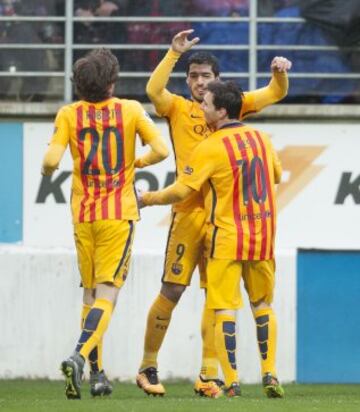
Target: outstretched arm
(172, 194)
(156, 86)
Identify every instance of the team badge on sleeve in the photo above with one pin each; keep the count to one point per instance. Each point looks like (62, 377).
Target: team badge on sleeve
(188, 170)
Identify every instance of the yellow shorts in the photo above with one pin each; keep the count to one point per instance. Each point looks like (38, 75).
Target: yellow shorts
(259, 280)
(103, 250)
(223, 282)
(184, 248)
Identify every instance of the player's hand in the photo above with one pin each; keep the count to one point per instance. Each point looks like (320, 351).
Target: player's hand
(138, 163)
(45, 171)
(181, 43)
(106, 9)
(280, 64)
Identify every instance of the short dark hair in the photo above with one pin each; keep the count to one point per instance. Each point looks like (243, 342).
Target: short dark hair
(94, 74)
(204, 58)
(227, 95)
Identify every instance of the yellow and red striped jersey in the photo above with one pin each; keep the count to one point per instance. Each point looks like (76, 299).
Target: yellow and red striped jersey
(239, 168)
(102, 144)
(188, 128)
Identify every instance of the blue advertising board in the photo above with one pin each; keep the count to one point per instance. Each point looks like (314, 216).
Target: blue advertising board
(11, 175)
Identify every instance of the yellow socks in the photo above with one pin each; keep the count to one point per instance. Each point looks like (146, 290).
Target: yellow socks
(157, 323)
(95, 356)
(266, 328)
(209, 366)
(225, 342)
(85, 311)
(95, 326)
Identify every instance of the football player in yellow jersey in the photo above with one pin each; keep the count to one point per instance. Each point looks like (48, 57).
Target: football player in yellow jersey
(236, 168)
(186, 235)
(101, 131)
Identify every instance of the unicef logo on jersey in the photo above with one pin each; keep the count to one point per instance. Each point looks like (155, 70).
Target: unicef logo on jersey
(177, 268)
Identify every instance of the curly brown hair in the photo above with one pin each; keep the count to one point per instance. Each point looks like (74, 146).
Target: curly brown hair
(94, 74)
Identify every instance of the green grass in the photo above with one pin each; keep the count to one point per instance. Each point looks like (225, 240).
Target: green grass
(48, 396)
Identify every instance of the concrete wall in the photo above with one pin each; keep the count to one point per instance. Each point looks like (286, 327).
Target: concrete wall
(40, 304)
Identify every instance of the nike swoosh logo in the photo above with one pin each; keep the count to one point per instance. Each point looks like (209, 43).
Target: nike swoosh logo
(159, 318)
(195, 117)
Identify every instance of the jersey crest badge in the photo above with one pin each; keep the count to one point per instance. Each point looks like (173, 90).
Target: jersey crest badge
(177, 268)
(188, 170)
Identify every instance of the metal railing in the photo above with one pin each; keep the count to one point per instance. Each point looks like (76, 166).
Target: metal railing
(68, 47)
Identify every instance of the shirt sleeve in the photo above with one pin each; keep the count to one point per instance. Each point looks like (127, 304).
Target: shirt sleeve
(200, 167)
(61, 134)
(58, 143)
(156, 89)
(150, 135)
(171, 194)
(145, 126)
(257, 100)
(275, 161)
(277, 166)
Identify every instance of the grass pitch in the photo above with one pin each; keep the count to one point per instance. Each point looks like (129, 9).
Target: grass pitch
(48, 396)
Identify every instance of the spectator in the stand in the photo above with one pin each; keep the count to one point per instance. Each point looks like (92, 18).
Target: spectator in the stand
(265, 8)
(225, 33)
(153, 33)
(85, 32)
(107, 8)
(307, 61)
(160, 7)
(102, 32)
(29, 88)
(221, 8)
(111, 33)
(7, 7)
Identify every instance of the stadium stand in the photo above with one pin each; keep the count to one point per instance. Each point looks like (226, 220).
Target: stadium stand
(41, 39)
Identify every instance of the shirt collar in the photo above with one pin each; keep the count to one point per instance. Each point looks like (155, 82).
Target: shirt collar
(231, 124)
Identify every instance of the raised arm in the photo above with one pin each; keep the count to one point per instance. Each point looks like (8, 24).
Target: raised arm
(276, 90)
(156, 86)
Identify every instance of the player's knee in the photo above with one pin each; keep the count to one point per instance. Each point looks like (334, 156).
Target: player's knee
(172, 291)
(89, 296)
(260, 304)
(107, 291)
